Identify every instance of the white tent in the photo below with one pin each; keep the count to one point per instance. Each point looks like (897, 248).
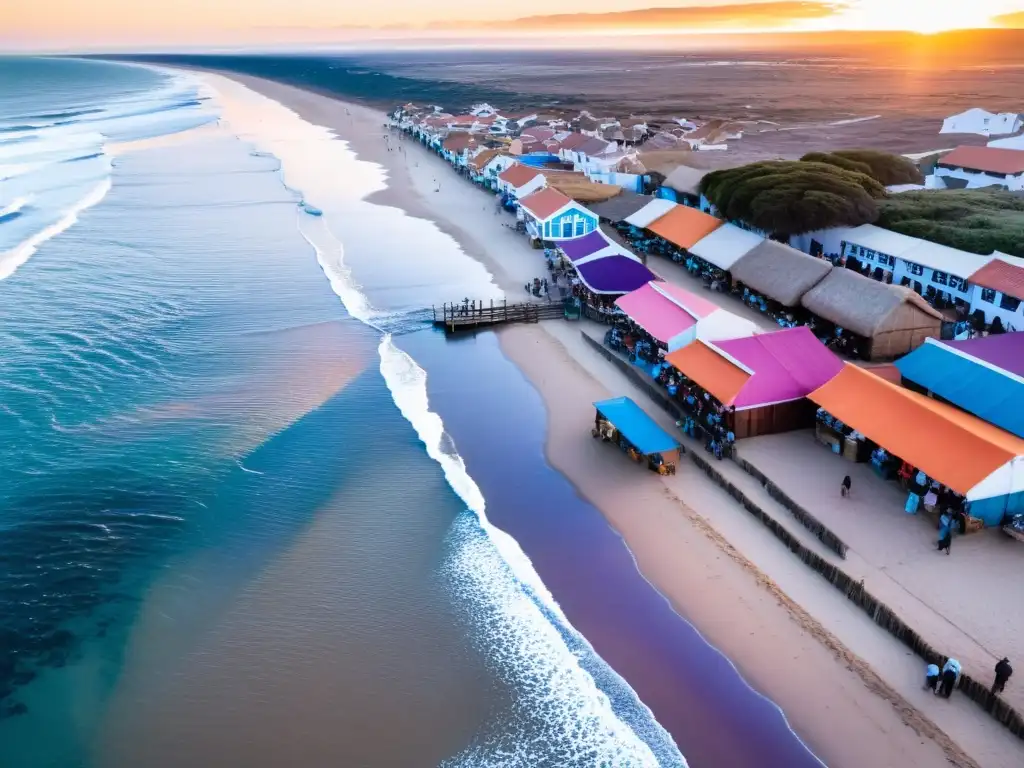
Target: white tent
(650, 213)
(726, 245)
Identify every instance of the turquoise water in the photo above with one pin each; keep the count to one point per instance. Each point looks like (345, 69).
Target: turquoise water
(186, 404)
(234, 528)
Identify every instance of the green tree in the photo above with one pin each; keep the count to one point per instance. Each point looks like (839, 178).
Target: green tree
(885, 168)
(975, 220)
(790, 197)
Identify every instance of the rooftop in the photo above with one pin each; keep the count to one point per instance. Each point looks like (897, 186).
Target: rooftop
(1001, 275)
(545, 203)
(1008, 162)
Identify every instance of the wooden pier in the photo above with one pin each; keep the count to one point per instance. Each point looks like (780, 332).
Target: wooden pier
(476, 314)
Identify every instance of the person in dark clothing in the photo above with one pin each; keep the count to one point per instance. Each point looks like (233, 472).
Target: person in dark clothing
(844, 488)
(1003, 672)
(950, 673)
(947, 684)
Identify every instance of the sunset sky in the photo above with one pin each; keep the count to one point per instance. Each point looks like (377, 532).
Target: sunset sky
(61, 24)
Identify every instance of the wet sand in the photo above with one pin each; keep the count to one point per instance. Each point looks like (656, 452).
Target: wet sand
(847, 711)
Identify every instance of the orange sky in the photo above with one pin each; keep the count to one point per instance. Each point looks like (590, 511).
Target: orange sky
(138, 23)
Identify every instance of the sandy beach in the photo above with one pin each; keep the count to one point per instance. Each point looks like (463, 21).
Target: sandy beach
(848, 689)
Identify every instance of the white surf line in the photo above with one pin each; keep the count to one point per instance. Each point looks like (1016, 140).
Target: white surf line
(17, 256)
(405, 379)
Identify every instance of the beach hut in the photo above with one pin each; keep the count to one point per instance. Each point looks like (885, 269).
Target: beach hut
(684, 227)
(623, 422)
(763, 379)
(726, 245)
(981, 462)
(983, 376)
(620, 207)
(655, 209)
(551, 215)
(674, 317)
(518, 181)
(893, 320)
(779, 272)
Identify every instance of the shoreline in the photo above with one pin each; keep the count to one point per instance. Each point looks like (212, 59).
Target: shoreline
(859, 726)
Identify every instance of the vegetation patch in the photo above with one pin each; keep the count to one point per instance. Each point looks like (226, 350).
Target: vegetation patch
(975, 220)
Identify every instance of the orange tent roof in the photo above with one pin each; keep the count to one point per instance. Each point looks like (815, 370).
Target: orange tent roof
(685, 226)
(950, 445)
(711, 370)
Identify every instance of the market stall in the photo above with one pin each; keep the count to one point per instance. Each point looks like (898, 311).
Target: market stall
(939, 448)
(624, 423)
(762, 381)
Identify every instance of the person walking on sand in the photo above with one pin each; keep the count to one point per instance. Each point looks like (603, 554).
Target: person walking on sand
(945, 532)
(1003, 672)
(950, 674)
(931, 677)
(844, 487)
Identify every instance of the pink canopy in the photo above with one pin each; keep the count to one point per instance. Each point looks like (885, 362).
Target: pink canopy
(787, 365)
(660, 317)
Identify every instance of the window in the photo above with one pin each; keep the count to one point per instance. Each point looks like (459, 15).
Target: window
(1009, 303)
(580, 226)
(958, 283)
(914, 269)
(988, 295)
(938, 277)
(567, 228)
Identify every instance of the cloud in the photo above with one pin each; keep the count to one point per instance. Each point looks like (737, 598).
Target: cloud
(775, 14)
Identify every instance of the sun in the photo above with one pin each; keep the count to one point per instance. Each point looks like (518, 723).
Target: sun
(924, 16)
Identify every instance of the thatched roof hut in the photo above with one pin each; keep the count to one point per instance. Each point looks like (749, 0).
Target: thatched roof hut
(581, 189)
(620, 207)
(780, 272)
(893, 319)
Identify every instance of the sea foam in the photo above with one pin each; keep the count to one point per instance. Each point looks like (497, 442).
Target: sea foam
(521, 629)
(61, 160)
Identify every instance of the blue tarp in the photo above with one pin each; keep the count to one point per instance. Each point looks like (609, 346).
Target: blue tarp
(636, 426)
(968, 383)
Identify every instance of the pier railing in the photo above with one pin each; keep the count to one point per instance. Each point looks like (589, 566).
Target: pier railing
(473, 314)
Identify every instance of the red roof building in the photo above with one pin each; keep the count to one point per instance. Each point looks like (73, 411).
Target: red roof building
(994, 160)
(1002, 276)
(518, 175)
(545, 203)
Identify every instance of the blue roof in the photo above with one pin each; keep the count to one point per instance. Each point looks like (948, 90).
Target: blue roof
(989, 392)
(636, 426)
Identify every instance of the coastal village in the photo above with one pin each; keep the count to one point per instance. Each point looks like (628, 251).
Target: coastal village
(889, 366)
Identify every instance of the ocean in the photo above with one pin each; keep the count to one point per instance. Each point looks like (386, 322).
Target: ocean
(252, 507)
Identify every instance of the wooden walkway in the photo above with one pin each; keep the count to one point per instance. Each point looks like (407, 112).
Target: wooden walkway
(476, 314)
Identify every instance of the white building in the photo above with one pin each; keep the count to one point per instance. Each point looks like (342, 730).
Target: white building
(978, 167)
(1012, 142)
(936, 272)
(997, 290)
(983, 123)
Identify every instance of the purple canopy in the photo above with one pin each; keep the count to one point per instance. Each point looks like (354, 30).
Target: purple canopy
(581, 247)
(1004, 350)
(614, 274)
